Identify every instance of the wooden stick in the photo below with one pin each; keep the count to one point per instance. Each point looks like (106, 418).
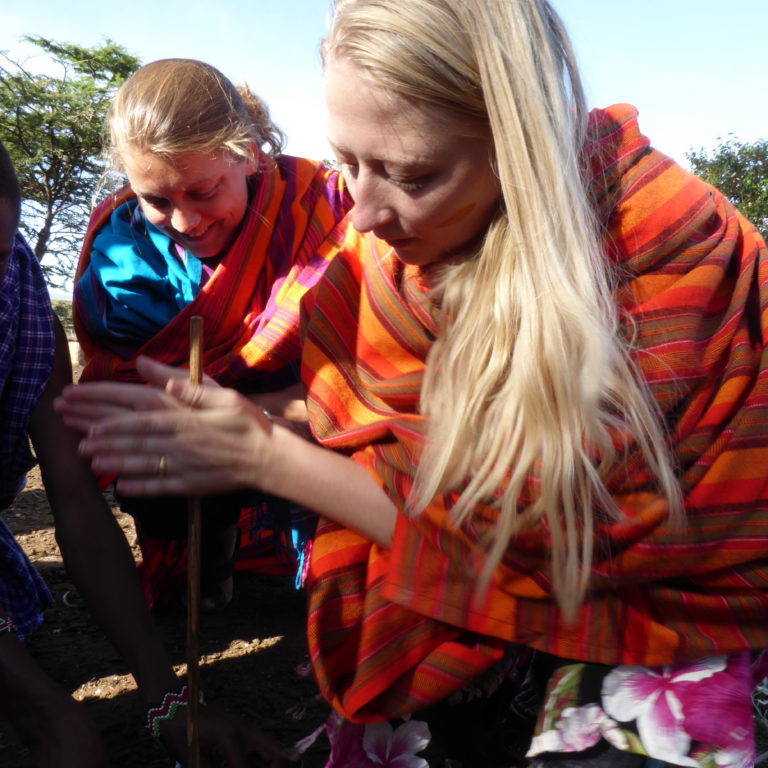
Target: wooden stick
(193, 572)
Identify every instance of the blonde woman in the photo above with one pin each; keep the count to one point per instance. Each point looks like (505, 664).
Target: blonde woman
(215, 221)
(538, 377)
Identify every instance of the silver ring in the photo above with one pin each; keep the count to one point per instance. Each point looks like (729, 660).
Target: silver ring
(267, 414)
(162, 466)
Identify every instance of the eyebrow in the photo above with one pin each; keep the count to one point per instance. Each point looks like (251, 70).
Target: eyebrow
(336, 147)
(191, 188)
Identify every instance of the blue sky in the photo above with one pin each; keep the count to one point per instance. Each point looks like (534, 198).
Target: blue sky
(696, 69)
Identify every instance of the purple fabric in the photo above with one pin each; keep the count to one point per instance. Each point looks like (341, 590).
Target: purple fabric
(26, 356)
(23, 593)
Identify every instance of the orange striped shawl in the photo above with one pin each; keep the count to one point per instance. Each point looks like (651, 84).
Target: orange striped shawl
(251, 303)
(392, 631)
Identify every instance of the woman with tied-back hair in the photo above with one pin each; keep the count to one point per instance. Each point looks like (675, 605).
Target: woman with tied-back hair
(537, 373)
(215, 222)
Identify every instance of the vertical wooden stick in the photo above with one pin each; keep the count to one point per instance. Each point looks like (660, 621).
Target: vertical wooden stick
(193, 572)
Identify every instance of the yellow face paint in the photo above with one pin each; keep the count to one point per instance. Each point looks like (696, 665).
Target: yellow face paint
(457, 216)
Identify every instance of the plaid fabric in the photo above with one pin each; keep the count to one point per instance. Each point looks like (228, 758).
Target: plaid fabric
(23, 593)
(26, 356)
(393, 631)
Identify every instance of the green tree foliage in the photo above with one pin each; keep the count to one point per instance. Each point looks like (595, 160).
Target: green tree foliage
(740, 171)
(52, 127)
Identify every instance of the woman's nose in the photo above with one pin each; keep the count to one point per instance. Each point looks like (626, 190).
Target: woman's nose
(372, 209)
(184, 220)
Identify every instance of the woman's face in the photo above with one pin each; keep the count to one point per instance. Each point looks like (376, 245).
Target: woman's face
(198, 200)
(418, 181)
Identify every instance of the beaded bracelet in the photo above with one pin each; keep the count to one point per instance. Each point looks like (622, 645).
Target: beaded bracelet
(6, 625)
(167, 709)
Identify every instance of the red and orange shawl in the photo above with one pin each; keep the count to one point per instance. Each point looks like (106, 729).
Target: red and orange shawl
(393, 631)
(250, 304)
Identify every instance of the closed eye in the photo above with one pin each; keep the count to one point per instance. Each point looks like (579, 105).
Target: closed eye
(205, 194)
(410, 185)
(156, 202)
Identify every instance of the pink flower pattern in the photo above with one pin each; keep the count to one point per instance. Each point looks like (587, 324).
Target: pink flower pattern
(675, 705)
(579, 728)
(696, 714)
(376, 745)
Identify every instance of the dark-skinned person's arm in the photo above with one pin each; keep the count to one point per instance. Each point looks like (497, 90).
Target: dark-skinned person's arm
(48, 720)
(99, 561)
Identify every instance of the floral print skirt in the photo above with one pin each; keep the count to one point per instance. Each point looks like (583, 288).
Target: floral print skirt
(694, 714)
(536, 710)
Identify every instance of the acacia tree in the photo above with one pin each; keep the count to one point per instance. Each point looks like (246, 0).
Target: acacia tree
(52, 127)
(740, 171)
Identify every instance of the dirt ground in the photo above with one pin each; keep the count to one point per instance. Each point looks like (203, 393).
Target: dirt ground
(250, 654)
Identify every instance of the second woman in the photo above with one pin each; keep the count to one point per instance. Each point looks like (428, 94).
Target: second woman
(215, 222)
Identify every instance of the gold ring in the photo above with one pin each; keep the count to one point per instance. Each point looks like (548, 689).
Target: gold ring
(162, 465)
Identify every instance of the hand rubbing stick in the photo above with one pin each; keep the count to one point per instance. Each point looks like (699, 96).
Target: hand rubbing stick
(193, 572)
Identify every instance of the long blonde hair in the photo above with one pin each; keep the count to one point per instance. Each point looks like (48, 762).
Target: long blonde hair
(174, 106)
(531, 377)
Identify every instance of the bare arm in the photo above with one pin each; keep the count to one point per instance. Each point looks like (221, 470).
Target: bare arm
(53, 725)
(93, 547)
(329, 483)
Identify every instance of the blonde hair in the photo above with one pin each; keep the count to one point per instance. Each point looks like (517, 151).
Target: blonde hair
(174, 106)
(531, 376)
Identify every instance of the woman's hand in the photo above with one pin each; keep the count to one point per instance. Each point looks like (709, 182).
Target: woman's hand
(288, 403)
(181, 439)
(84, 405)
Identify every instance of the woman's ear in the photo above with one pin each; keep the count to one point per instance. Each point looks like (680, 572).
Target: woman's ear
(252, 162)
